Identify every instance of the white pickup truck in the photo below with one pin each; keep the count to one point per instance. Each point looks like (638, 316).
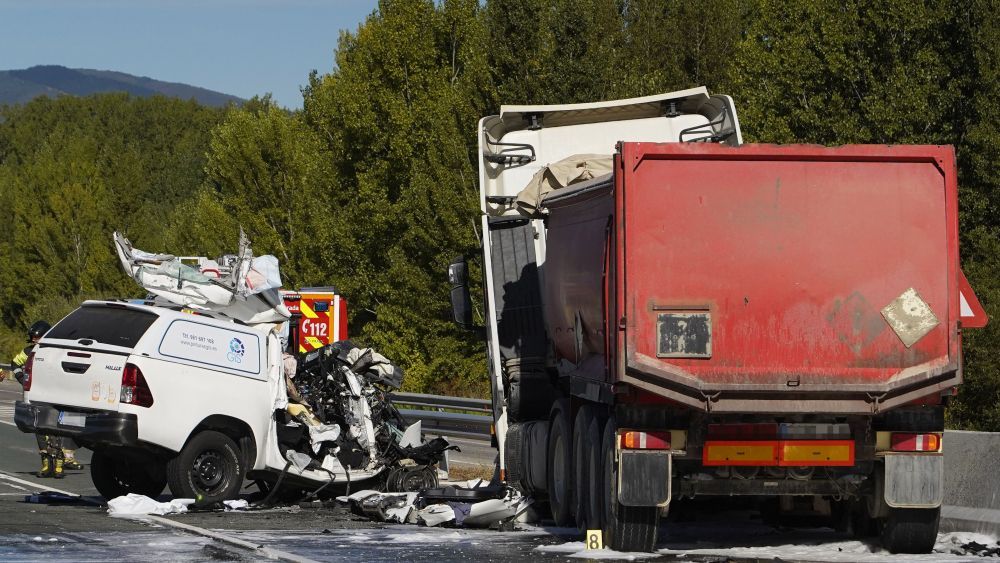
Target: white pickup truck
(188, 389)
(165, 395)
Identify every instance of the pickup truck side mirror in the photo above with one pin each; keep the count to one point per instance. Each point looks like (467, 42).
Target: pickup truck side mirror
(461, 301)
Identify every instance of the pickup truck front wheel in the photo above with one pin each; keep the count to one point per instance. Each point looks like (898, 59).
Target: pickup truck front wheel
(209, 469)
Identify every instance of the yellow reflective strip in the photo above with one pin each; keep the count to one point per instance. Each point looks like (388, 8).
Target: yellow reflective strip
(816, 452)
(306, 310)
(316, 343)
(740, 453)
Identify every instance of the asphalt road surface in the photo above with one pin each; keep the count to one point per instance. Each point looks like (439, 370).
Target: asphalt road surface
(35, 529)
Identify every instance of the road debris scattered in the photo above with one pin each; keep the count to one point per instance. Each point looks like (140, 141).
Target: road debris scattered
(473, 504)
(132, 505)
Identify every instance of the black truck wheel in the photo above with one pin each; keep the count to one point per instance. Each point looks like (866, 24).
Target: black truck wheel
(513, 453)
(581, 477)
(209, 469)
(594, 458)
(116, 476)
(529, 398)
(626, 528)
(911, 530)
(559, 463)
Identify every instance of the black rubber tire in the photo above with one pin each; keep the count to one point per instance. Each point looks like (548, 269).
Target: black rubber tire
(513, 450)
(534, 448)
(530, 397)
(118, 476)
(209, 469)
(559, 464)
(860, 521)
(626, 528)
(911, 530)
(594, 458)
(581, 479)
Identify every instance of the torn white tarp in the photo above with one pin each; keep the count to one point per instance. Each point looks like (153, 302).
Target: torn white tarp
(141, 505)
(243, 287)
(570, 170)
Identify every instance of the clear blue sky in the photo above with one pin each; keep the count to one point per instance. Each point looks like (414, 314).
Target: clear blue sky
(239, 47)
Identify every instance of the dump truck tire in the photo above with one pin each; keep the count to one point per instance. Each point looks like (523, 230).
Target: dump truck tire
(626, 528)
(514, 456)
(594, 458)
(530, 397)
(581, 477)
(559, 464)
(911, 530)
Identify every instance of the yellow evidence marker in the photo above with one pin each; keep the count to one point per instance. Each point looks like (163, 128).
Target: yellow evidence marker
(595, 539)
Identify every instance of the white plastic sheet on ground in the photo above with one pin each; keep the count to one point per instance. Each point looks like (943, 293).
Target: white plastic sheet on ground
(141, 505)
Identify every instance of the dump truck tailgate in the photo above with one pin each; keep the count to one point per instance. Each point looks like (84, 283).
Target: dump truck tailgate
(765, 275)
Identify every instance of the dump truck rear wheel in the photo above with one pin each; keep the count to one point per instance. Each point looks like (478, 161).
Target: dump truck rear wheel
(581, 479)
(560, 470)
(911, 530)
(626, 528)
(593, 455)
(514, 456)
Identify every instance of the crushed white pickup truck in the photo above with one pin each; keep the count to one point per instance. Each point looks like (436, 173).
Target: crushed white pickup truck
(190, 388)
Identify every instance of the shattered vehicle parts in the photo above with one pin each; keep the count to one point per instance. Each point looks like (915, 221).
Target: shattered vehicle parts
(490, 505)
(241, 286)
(345, 421)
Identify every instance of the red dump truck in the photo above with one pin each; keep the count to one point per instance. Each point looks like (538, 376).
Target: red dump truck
(671, 313)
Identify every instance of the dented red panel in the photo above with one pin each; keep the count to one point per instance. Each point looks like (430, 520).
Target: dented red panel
(799, 269)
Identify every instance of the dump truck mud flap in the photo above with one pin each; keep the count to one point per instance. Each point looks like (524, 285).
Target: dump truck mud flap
(644, 478)
(914, 481)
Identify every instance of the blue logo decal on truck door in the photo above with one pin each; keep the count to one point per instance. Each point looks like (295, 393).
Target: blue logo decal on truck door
(236, 351)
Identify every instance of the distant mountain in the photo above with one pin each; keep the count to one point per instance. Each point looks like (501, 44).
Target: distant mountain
(20, 86)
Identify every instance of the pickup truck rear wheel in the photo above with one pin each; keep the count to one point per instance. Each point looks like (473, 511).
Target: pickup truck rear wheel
(209, 469)
(626, 528)
(116, 476)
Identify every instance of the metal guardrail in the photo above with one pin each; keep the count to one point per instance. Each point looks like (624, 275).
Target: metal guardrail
(438, 415)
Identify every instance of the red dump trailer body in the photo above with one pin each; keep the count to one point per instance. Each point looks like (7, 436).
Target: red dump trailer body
(795, 252)
(767, 279)
(756, 320)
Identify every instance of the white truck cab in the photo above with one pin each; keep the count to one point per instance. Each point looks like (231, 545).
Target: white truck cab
(164, 395)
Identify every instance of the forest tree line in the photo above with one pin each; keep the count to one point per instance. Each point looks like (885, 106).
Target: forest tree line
(371, 187)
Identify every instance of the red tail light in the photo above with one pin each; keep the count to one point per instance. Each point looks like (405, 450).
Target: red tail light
(633, 440)
(135, 390)
(915, 442)
(26, 383)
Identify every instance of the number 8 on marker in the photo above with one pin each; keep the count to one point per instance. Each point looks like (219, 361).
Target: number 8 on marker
(595, 539)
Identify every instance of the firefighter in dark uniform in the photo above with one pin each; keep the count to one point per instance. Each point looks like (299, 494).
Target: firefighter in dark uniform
(57, 452)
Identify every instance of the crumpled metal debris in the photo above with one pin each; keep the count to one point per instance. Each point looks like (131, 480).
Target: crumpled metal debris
(240, 286)
(485, 505)
(344, 420)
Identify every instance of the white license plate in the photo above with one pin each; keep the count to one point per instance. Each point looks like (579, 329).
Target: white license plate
(72, 419)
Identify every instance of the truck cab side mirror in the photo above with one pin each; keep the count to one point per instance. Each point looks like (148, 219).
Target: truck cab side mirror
(461, 301)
